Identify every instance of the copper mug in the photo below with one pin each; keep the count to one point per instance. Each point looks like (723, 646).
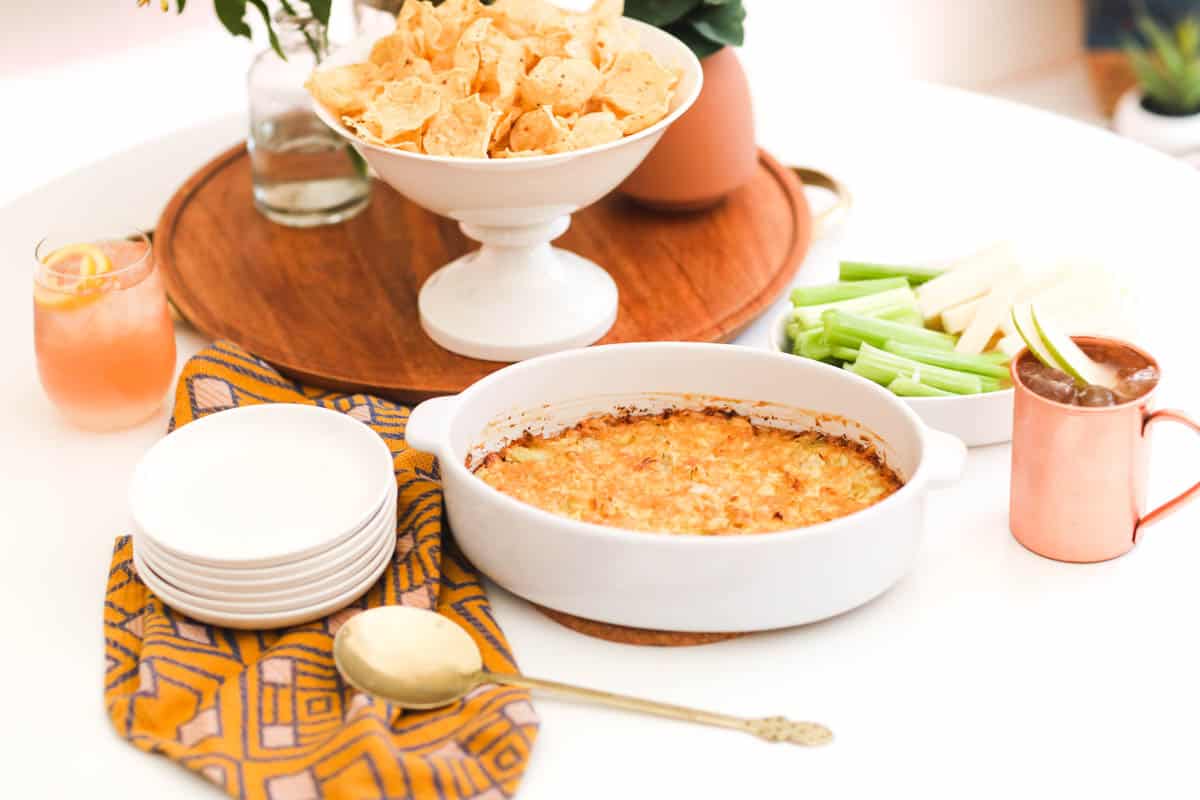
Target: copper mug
(1079, 474)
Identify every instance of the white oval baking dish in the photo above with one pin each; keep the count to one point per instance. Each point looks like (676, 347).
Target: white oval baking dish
(683, 582)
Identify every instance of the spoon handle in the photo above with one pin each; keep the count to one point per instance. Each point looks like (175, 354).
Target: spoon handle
(772, 729)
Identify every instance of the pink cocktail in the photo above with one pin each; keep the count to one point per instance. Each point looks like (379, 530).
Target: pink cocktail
(104, 337)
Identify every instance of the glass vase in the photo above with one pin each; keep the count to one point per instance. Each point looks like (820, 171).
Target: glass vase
(304, 173)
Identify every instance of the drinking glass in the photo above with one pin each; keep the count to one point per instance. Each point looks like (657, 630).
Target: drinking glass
(103, 334)
(1079, 473)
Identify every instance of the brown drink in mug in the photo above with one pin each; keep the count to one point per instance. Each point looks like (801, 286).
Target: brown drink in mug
(1080, 458)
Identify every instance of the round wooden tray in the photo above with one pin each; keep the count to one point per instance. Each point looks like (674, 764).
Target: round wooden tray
(337, 306)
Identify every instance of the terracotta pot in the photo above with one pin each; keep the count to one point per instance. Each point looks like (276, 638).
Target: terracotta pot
(708, 152)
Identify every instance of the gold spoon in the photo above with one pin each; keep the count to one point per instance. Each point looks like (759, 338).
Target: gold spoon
(419, 659)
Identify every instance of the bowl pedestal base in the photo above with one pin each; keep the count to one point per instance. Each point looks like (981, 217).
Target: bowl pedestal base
(517, 297)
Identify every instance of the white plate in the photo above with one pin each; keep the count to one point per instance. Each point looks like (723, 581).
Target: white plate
(260, 485)
(310, 568)
(977, 419)
(240, 604)
(261, 620)
(301, 587)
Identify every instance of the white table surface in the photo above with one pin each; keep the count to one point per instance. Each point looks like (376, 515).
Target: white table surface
(987, 672)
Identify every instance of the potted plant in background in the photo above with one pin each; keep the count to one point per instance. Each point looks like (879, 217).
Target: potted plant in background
(712, 150)
(1163, 110)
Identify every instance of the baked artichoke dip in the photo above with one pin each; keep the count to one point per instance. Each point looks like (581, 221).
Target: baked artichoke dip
(709, 472)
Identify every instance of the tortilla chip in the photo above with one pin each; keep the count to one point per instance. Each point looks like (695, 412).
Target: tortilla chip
(590, 130)
(564, 84)
(537, 130)
(636, 82)
(502, 129)
(402, 106)
(406, 67)
(344, 90)
(463, 129)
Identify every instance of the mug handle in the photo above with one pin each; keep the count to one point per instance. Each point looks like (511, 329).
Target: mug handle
(1174, 504)
(828, 219)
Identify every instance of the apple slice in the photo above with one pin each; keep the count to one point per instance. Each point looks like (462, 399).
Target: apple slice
(972, 278)
(1073, 361)
(1022, 318)
(957, 318)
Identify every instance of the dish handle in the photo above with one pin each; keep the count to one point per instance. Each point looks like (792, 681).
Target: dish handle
(429, 423)
(947, 457)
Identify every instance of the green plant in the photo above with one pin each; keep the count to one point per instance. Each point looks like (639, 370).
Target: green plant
(703, 25)
(232, 14)
(1168, 66)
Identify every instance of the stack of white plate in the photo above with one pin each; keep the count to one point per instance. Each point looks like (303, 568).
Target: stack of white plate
(264, 516)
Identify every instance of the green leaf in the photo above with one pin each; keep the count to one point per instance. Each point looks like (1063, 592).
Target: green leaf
(1187, 33)
(1161, 43)
(702, 46)
(1148, 76)
(321, 10)
(266, 15)
(232, 14)
(721, 24)
(659, 13)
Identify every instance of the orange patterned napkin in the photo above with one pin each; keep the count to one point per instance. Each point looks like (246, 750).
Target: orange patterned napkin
(264, 714)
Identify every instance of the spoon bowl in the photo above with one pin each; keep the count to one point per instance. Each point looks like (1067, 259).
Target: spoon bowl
(409, 656)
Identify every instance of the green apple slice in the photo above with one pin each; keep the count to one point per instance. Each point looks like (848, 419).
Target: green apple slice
(1022, 317)
(1075, 362)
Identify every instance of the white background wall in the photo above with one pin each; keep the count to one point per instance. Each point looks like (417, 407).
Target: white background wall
(92, 77)
(965, 42)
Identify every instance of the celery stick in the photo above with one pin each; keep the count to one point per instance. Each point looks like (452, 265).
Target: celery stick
(849, 330)
(811, 345)
(948, 359)
(996, 356)
(990, 384)
(843, 353)
(938, 377)
(793, 329)
(903, 315)
(810, 316)
(858, 271)
(873, 373)
(907, 387)
(901, 312)
(833, 292)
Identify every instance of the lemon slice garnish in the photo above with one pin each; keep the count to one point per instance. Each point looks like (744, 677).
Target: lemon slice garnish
(92, 260)
(65, 300)
(80, 291)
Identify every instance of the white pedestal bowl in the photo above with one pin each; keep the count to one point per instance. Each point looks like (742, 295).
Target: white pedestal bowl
(517, 297)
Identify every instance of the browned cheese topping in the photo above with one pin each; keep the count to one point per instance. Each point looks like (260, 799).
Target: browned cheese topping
(701, 472)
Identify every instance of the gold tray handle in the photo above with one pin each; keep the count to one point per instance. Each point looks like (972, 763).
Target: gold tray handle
(825, 221)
